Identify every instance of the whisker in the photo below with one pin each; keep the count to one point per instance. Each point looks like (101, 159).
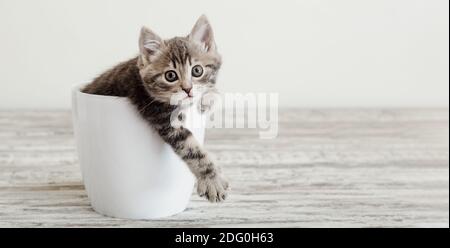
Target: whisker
(141, 110)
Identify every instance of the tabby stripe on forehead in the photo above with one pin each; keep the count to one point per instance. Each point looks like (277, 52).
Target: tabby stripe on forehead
(189, 58)
(185, 57)
(175, 60)
(174, 64)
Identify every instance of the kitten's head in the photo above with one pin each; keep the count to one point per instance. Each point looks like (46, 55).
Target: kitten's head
(180, 67)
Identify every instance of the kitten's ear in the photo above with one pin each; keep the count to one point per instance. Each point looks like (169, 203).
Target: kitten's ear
(150, 43)
(202, 33)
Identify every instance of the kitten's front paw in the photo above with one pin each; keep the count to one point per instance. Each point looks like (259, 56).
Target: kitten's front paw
(214, 189)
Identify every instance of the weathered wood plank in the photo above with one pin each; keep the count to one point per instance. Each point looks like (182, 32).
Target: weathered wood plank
(360, 167)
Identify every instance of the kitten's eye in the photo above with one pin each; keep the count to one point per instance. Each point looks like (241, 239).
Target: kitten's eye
(197, 71)
(171, 76)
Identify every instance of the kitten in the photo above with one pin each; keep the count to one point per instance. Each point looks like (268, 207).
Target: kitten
(165, 68)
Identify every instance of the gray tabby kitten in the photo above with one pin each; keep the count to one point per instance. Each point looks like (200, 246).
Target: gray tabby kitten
(181, 66)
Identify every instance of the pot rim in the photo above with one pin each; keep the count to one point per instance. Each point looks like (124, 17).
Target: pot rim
(77, 89)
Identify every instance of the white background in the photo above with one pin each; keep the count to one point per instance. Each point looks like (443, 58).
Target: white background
(321, 53)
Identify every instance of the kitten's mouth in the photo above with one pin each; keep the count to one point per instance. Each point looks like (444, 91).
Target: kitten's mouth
(181, 98)
(189, 92)
(188, 95)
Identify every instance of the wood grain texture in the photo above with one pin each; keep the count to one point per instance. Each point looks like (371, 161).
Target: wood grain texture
(327, 168)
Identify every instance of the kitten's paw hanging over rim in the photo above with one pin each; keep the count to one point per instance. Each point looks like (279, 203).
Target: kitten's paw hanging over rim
(215, 189)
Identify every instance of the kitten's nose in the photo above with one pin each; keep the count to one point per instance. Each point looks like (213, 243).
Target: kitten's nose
(188, 91)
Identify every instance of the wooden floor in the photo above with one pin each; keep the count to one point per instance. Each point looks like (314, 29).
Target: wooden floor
(327, 168)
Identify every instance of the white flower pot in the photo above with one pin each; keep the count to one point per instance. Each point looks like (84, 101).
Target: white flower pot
(128, 170)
